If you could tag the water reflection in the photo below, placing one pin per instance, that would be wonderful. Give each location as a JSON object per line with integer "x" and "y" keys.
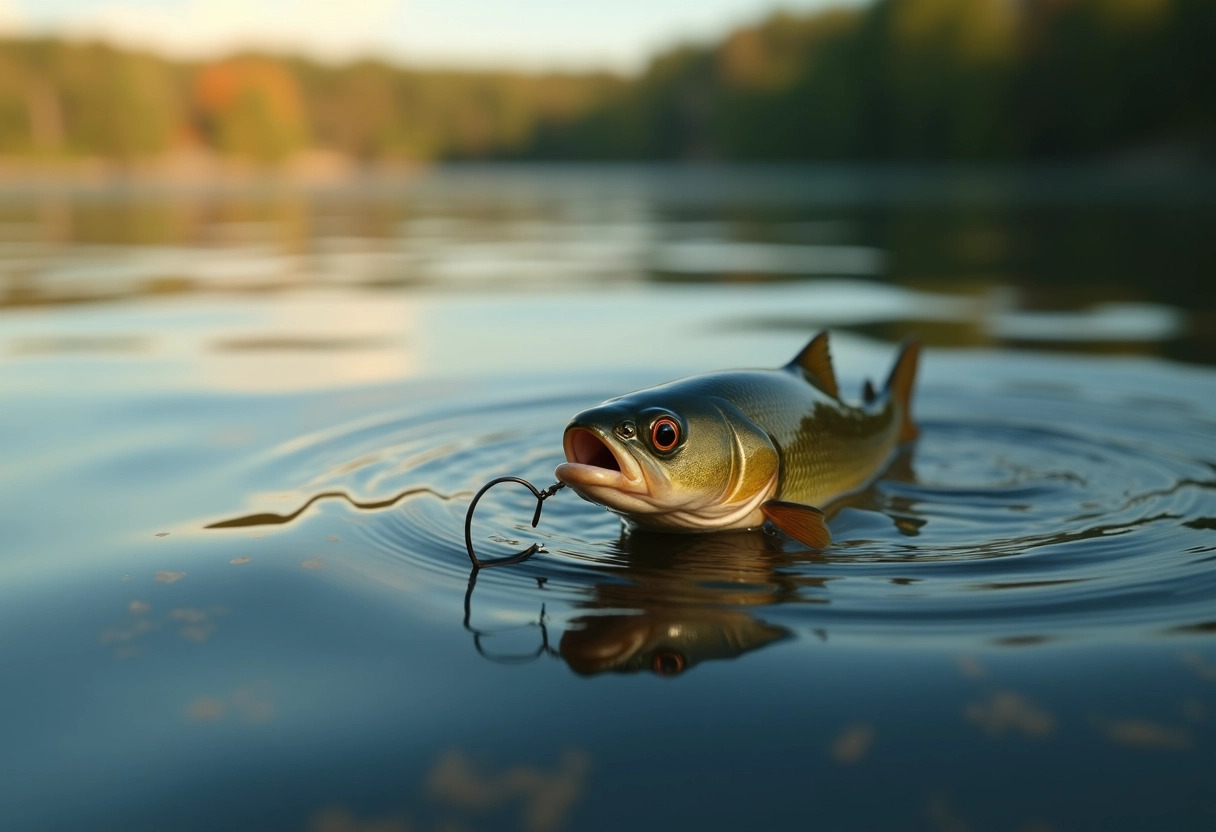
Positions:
{"x": 682, "y": 600}
{"x": 482, "y": 636}
{"x": 194, "y": 625}
{"x": 251, "y": 704}
{"x": 1146, "y": 734}
{"x": 1008, "y": 712}
{"x": 545, "y": 798}
{"x": 670, "y": 603}
{"x": 1016, "y": 246}
{"x": 463, "y": 789}
{"x": 666, "y": 642}
{"x": 853, "y": 744}
{"x": 272, "y": 519}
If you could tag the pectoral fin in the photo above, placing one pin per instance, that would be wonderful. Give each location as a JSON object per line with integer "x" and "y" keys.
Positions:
{"x": 803, "y": 523}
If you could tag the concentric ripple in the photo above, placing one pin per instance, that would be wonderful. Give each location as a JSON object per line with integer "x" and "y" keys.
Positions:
{"x": 1023, "y": 514}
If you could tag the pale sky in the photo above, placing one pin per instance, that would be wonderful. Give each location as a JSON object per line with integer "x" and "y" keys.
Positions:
{"x": 531, "y": 34}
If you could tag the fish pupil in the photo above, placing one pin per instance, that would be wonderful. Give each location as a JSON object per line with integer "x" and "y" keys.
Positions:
{"x": 665, "y": 435}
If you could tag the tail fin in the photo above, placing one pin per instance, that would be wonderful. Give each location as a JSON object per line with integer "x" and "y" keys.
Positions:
{"x": 900, "y": 384}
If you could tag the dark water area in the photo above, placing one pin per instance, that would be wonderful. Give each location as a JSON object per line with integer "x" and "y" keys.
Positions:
{"x": 240, "y": 426}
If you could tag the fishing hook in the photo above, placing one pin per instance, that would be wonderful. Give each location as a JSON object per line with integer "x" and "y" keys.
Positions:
{"x": 519, "y": 557}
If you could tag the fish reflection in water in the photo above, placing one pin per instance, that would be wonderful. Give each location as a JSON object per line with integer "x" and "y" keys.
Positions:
{"x": 665, "y": 642}
{"x": 692, "y": 598}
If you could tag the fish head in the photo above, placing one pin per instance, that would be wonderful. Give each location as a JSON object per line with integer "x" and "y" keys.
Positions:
{"x": 669, "y": 460}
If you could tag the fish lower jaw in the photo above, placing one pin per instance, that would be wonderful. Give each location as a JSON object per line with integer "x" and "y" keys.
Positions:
{"x": 719, "y": 517}
{"x": 579, "y": 476}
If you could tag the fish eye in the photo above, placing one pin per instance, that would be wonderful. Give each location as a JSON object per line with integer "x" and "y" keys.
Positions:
{"x": 665, "y": 434}
{"x": 668, "y": 664}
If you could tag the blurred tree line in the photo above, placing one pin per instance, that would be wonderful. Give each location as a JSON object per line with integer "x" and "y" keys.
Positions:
{"x": 895, "y": 80}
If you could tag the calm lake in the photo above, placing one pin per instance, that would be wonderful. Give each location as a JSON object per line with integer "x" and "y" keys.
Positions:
{"x": 240, "y": 426}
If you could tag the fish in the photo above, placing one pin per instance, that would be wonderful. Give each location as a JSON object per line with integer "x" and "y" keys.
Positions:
{"x": 737, "y": 449}
{"x": 664, "y": 645}
{"x": 672, "y": 602}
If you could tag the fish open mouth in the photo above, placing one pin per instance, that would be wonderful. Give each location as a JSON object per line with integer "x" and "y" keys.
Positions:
{"x": 586, "y": 448}
{"x": 591, "y": 461}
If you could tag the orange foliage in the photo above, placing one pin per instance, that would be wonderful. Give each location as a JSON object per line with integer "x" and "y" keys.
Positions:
{"x": 219, "y": 86}
{"x": 251, "y": 107}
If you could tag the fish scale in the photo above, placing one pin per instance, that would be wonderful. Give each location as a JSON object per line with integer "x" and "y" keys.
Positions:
{"x": 827, "y": 447}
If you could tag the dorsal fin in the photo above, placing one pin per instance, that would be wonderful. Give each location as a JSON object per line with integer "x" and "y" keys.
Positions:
{"x": 816, "y": 360}
{"x": 899, "y": 387}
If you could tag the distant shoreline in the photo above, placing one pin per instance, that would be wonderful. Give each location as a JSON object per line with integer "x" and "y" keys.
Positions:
{"x": 329, "y": 168}
{"x": 195, "y": 167}
{"x": 917, "y": 82}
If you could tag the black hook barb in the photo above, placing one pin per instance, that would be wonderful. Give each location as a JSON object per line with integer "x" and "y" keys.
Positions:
{"x": 541, "y": 496}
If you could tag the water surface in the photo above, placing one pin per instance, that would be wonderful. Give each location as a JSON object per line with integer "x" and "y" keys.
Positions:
{"x": 241, "y": 426}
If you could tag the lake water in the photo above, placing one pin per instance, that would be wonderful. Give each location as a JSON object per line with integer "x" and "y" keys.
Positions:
{"x": 240, "y": 426}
